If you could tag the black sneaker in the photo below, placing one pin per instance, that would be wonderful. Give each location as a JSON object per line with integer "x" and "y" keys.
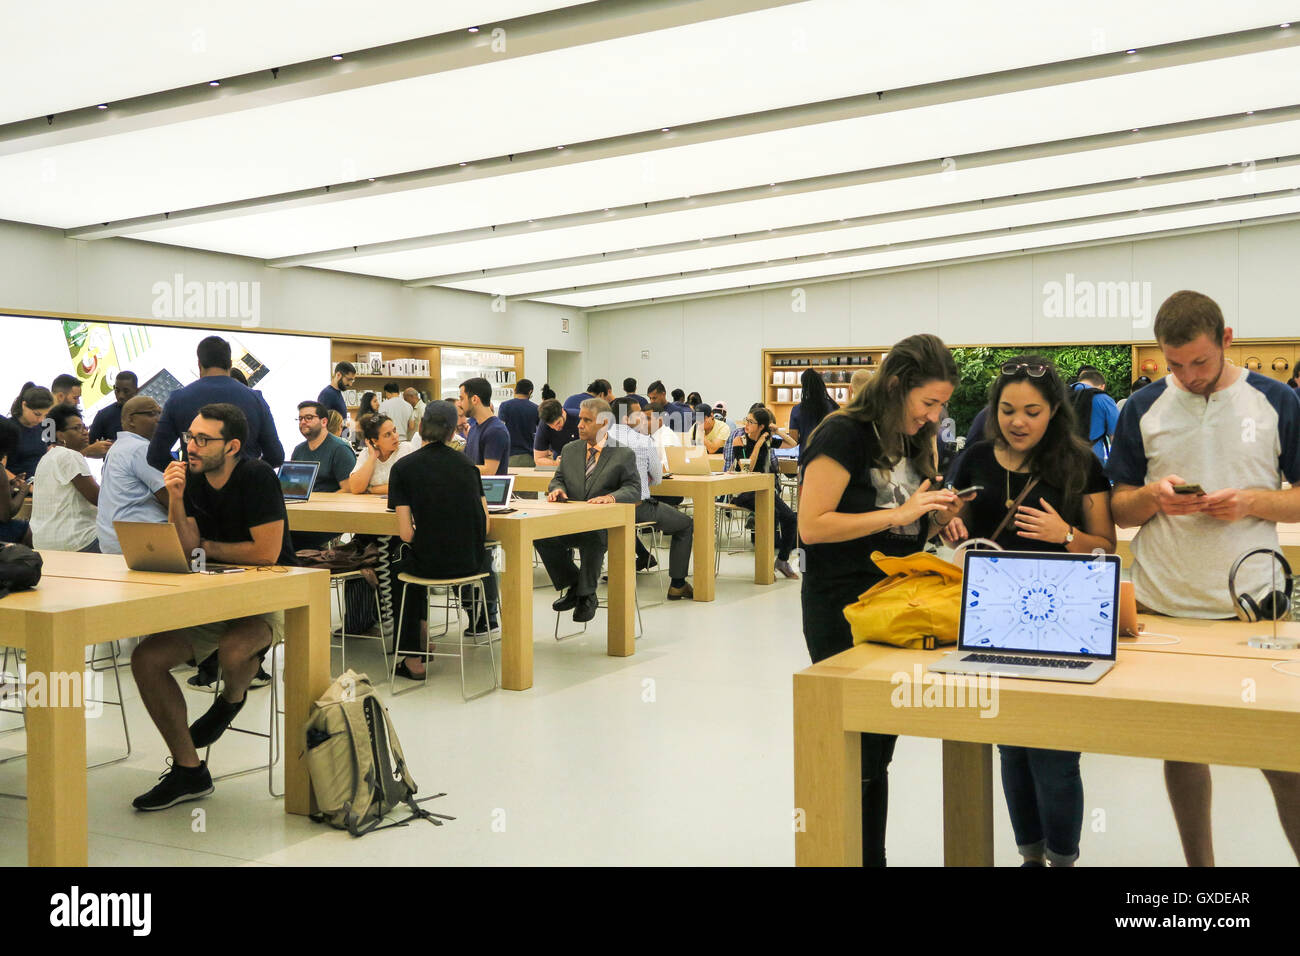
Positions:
{"x": 205, "y": 679}
{"x": 478, "y": 628}
{"x": 208, "y": 728}
{"x": 176, "y": 785}
{"x": 260, "y": 679}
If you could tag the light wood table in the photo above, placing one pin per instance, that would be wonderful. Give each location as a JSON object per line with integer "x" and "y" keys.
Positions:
{"x": 368, "y": 514}
{"x": 1188, "y": 706}
{"x": 703, "y": 490}
{"x": 86, "y": 599}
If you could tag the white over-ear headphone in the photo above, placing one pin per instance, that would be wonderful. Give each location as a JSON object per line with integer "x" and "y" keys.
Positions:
{"x": 1269, "y": 606}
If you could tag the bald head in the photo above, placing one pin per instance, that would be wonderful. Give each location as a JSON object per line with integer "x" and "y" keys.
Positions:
{"x": 140, "y": 416}
{"x": 411, "y": 396}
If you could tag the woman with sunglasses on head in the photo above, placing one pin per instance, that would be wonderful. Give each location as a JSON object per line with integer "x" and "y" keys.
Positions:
{"x": 752, "y": 448}
{"x": 869, "y": 483}
{"x": 1033, "y": 467}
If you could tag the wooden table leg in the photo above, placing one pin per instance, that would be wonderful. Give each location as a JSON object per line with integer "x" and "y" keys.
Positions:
{"x": 967, "y": 804}
{"x": 621, "y": 639}
{"x": 705, "y": 545}
{"x": 516, "y": 583}
{"x": 57, "y": 831}
{"x": 764, "y": 535}
{"x": 306, "y": 678}
{"x": 827, "y": 777}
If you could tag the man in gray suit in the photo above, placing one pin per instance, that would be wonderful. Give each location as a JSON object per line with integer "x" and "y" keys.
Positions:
{"x": 591, "y": 471}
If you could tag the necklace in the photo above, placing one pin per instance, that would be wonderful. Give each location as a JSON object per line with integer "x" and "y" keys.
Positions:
{"x": 1010, "y": 501}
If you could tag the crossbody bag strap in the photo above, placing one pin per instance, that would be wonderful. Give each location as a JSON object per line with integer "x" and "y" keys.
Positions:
{"x": 1015, "y": 506}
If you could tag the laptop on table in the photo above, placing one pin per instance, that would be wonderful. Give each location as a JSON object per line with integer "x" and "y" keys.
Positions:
{"x": 156, "y": 546}
{"x": 497, "y": 490}
{"x": 1040, "y": 615}
{"x": 688, "y": 461}
{"x": 298, "y": 479}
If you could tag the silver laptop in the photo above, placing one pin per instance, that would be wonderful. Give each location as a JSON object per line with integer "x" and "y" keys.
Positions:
{"x": 691, "y": 460}
{"x": 1041, "y": 615}
{"x": 497, "y": 490}
{"x": 298, "y": 479}
{"x": 155, "y": 546}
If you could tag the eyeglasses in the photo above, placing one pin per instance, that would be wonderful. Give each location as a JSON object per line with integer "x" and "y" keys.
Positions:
{"x": 748, "y": 421}
{"x": 200, "y": 441}
{"x": 308, "y": 418}
{"x": 1034, "y": 369}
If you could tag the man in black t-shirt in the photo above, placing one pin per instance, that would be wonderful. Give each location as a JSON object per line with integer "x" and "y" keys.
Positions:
{"x": 441, "y": 512}
{"x": 231, "y": 510}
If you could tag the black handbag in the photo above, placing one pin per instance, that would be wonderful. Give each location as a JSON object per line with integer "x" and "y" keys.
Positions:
{"x": 20, "y": 568}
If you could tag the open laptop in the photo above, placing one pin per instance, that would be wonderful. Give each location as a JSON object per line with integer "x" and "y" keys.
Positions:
{"x": 688, "y": 461}
{"x": 497, "y": 490}
{"x": 297, "y": 479}
{"x": 1047, "y": 616}
{"x": 155, "y": 546}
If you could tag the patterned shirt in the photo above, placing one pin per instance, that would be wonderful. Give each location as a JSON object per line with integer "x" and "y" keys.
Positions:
{"x": 648, "y": 465}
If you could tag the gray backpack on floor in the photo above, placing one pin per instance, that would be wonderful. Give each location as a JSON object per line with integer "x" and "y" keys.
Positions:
{"x": 355, "y": 761}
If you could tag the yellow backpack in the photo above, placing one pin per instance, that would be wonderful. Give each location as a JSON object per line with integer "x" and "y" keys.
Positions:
{"x": 918, "y": 606}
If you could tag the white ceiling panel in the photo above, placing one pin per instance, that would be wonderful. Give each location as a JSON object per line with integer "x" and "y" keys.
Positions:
{"x": 702, "y": 71}
{"x": 906, "y": 230}
{"x": 961, "y": 185}
{"x": 937, "y": 252}
{"x": 133, "y": 47}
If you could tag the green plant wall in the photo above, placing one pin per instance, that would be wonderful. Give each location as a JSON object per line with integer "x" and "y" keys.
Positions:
{"x": 979, "y": 365}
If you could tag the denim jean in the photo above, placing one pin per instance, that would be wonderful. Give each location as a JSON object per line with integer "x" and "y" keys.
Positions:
{"x": 1045, "y": 799}
{"x": 827, "y": 633}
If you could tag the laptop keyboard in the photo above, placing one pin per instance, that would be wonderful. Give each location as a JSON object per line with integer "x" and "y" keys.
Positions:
{"x": 1025, "y": 661}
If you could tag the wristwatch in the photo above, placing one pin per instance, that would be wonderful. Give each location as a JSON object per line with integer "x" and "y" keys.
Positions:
{"x": 1069, "y": 536}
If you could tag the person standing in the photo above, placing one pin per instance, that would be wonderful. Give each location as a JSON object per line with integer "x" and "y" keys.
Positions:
{"x": 815, "y": 403}
{"x": 231, "y": 506}
{"x": 521, "y": 419}
{"x": 331, "y": 396}
{"x": 64, "y": 494}
{"x": 869, "y": 483}
{"x": 66, "y": 390}
{"x": 629, "y": 388}
{"x": 130, "y": 489}
{"x": 1095, "y": 411}
{"x": 1066, "y": 509}
{"x": 108, "y": 420}
{"x": 28, "y": 413}
{"x": 1236, "y": 434}
{"x": 488, "y": 443}
{"x": 215, "y": 387}
{"x": 556, "y": 430}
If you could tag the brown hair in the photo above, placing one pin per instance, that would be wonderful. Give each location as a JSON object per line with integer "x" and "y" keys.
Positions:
{"x": 1185, "y": 316}
{"x": 910, "y": 364}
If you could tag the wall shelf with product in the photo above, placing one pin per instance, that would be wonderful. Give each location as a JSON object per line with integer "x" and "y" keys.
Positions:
{"x": 1275, "y": 358}
{"x": 433, "y": 368}
{"x": 783, "y": 367}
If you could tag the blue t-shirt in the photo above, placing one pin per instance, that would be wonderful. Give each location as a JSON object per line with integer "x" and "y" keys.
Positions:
{"x": 520, "y": 417}
{"x": 548, "y": 439}
{"x": 573, "y": 404}
{"x": 335, "y": 458}
{"x": 183, "y": 406}
{"x": 490, "y": 439}
{"x": 1105, "y": 416}
{"x": 107, "y": 423}
{"x": 640, "y": 399}
{"x": 331, "y": 398}
{"x": 31, "y": 446}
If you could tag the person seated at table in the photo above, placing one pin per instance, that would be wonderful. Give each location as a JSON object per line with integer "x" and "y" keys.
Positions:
{"x": 752, "y": 448}
{"x": 28, "y": 413}
{"x": 708, "y": 431}
{"x": 594, "y": 471}
{"x": 383, "y": 450}
{"x": 130, "y": 488}
{"x": 64, "y": 494}
{"x": 441, "y": 512}
{"x": 1067, "y": 509}
{"x": 333, "y": 456}
{"x": 231, "y": 507}
{"x": 629, "y": 431}
{"x": 556, "y": 428}
{"x": 334, "y": 424}
{"x": 13, "y": 529}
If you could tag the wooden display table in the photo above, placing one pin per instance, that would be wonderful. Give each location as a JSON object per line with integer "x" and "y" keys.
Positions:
{"x": 86, "y": 599}
{"x": 703, "y": 490}
{"x": 1179, "y": 701}
{"x": 368, "y": 514}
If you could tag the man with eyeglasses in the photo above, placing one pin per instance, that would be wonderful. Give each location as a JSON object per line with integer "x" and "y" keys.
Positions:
{"x": 333, "y": 454}
{"x": 231, "y": 508}
{"x": 130, "y": 490}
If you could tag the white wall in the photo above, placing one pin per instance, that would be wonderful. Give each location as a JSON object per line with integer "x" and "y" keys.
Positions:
{"x": 41, "y": 271}
{"x": 714, "y": 345}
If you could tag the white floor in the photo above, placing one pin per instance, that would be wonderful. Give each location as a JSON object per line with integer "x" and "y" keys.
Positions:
{"x": 680, "y": 755}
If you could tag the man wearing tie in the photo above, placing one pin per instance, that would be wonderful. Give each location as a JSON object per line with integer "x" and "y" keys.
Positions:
{"x": 593, "y": 472}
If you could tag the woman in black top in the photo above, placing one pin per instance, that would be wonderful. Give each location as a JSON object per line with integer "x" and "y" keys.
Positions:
{"x": 815, "y": 403}
{"x": 869, "y": 483}
{"x": 1030, "y": 434}
{"x": 752, "y": 447}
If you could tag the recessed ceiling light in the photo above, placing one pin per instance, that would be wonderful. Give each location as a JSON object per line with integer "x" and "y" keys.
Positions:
{"x": 664, "y": 129}
{"x": 336, "y": 57}
{"x": 1130, "y": 51}
{"x": 473, "y": 29}
{"x": 559, "y": 147}
{"x": 214, "y": 82}
{"x": 102, "y": 106}
{"x": 1137, "y": 129}
{"x": 1250, "y": 112}
{"x": 371, "y": 180}
{"x": 1284, "y": 25}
